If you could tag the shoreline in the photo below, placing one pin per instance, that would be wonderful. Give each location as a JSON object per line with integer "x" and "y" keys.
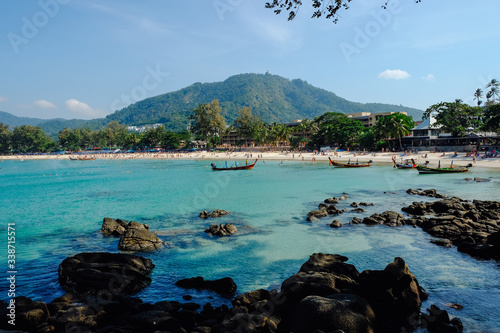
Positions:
{"x": 363, "y": 157}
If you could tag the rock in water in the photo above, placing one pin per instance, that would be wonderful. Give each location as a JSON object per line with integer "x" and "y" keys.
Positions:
{"x": 115, "y": 273}
{"x": 139, "y": 240}
{"x": 225, "y": 286}
{"x": 222, "y": 230}
{"x": 112, "y": 227}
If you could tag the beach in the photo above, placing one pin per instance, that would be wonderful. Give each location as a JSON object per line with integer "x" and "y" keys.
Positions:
{"x": 363, "y": 157}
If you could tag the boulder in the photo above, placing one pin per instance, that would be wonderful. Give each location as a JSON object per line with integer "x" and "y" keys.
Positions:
{"x": 438, "y": 321}
{"x": 215, "y": 213}
{"x": 394, "y": 294}
{"x": 333, "y": 200}
{"x": 28, "y": 315}
{"x": 417, "y": 208}
{"x": 316, "y": 214}
{"x": 389, "y": 218}
{"x": 358, "y": 210}
{"x": 225, "y": 286}
{"x": 335, "y": 224}
{"x": 112, "y": 227}
{"x": 139, "y": 239}
{"x": 365, "y": 204}
{"x": 344, "y": 197}
{"x": 114, "y": 273}
{"x": 329, "y": 263}
{"x": 221, "y": 230}
{"x": 346, "y": 312}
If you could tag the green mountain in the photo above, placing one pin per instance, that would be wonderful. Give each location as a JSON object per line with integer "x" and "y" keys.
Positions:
{"x": 272, "y": 97}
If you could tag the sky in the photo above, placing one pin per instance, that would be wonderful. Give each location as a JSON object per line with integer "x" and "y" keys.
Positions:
{"x": 85, "y": 59}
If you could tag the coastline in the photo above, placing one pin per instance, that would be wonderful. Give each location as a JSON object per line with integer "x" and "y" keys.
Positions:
{"x": 363, "y": 157}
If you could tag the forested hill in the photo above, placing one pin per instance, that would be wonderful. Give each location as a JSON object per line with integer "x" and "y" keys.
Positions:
{"x": 272, "y": 97}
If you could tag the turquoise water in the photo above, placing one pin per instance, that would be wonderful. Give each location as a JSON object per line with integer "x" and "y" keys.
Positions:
{"x": 58, "y": 207}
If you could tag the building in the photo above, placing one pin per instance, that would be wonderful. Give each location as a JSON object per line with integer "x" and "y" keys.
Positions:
{"x": 370, "y": 119}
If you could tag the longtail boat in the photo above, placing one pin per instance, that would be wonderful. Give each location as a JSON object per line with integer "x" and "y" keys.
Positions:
{"x": 424, "y": 169}
{"x": 348, "y": 164}
{"x": 82, "y": 158}
{"x": 239, "y": 167}
{"x": 406, "y": 164}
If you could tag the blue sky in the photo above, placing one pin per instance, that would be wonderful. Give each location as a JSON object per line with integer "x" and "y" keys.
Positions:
{"x": 84, "y": 59}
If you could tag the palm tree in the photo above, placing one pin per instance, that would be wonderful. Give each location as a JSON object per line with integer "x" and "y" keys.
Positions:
{"x": 477, "y": 95}
{"x": 399, "y": 128}
{"x": 494, "y": 88}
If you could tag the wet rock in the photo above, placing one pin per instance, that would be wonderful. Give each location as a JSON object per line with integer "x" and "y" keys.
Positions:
{"x": 112, "y": 227}
{"x": 225, "y": 286}
{"x": 316, "y": 214}
{"x": 482, "y": 180}
{"x": 389, "y": 218}
{"x": 354, "y": 204}
{"x": 330, "y": 263}
{"x": 358, "y": 210}
{"x": 335, "y": 224}
{"x": 438, "y": 321}
{"x": 333, "y": 200}
{"x": 215, "y": 213}
{"x": 26, "y": 314}
{"x": 139, "y": 239}
{"x": 115, "y": 273}
{"x": 221, "y": 230}
{"x": 416, "y": 208}
{"x": 442, "y": 242}
{"x": 344, "y": 197}
{"x": 393, "y": 293}
{"x": 346, "y": 312}
{"x": 356, "y": 220}
{"x": 365, "y": 204}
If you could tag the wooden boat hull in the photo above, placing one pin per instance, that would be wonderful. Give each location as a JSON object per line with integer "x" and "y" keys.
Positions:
{"x": 243, "y": 167}
{"x": 403, "y": 166}
{"x": 348, "y": 165}
{"x": 427, "y": 170}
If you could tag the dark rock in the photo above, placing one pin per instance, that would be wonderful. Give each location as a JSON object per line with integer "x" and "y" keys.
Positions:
{"x": 468, "y": 179}
{"x": 346, "y": 312}
{"x": 359, "y": 210}
{"x": 417, "y": 208}
{"x": 389, "y": 218}
{"x": 28, "y": 315}
{"x": 316, "y": 214}
{"x": 356, "y": 220}
{"x": 485, "y": 251}
{"x": 482, "y": 180}
{"x": 115, "y": 273}
{"x": 344, "y": 197}
{"x": 330, "y": 263}
{"x": 215, "y": 213}
{"x": 332, "y": 210}
{"x": 394, "y": 295}
{"x": 225, "y": 286}
{"x": 112, "y": 227}
{"x": 438, "y": 321}
{"x": 365, "y": 204}
{"x": 455, "y": 306}
{"x": 442, "y": 242}
{"x": 354, "y": 204}
{"x": 335, "y": 224}
{"x": 222, "y": 230}
{"x": 333, "y": 200}
{"x": 444, "y": 206}
{"x": 139, "y": 239}
{"x": 412, "y": 191}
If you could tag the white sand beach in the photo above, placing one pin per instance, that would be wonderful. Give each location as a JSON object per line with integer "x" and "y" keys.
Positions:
{"x": 362, "y": 157}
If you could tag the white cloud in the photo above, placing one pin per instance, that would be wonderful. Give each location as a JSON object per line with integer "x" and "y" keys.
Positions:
{"x": 82, "y": 109}
{"x": 429, "y": 77}
{"x": 3, "y": 99}
{"x": 394, "y": 74}
{"x": 41, "y": 103}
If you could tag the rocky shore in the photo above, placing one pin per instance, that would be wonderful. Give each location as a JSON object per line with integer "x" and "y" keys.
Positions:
{"x": 327, "y": 294}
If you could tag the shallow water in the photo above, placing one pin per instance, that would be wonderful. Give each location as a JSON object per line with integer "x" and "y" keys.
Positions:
{"x": 58, "y": 207}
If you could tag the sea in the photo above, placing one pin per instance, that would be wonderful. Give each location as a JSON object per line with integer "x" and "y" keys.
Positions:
{"x": 57, "y": 208}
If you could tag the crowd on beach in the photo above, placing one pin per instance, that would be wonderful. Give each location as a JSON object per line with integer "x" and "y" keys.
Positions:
{"x": 488, "y": 158}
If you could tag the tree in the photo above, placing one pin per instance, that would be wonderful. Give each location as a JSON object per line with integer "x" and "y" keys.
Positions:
{"x": 383, "y": 128}
{"x": 337, "y": 129}
{"x": 27, "y": 138}
{"x": 5, "y": 136}
{"x": 327, "y": 8}
{"x": 400, "y": 125}
{"x": 153, "y": 137}
{"x": 454, "y": 117}
{"x": 116, "y": 134}
{"x": 207, "y": 120}
{"x": 493, "y": 85}
{"x": 246, "y": 123}
{"x": 492, "y": 119}
{"x": 478, "y": 94}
